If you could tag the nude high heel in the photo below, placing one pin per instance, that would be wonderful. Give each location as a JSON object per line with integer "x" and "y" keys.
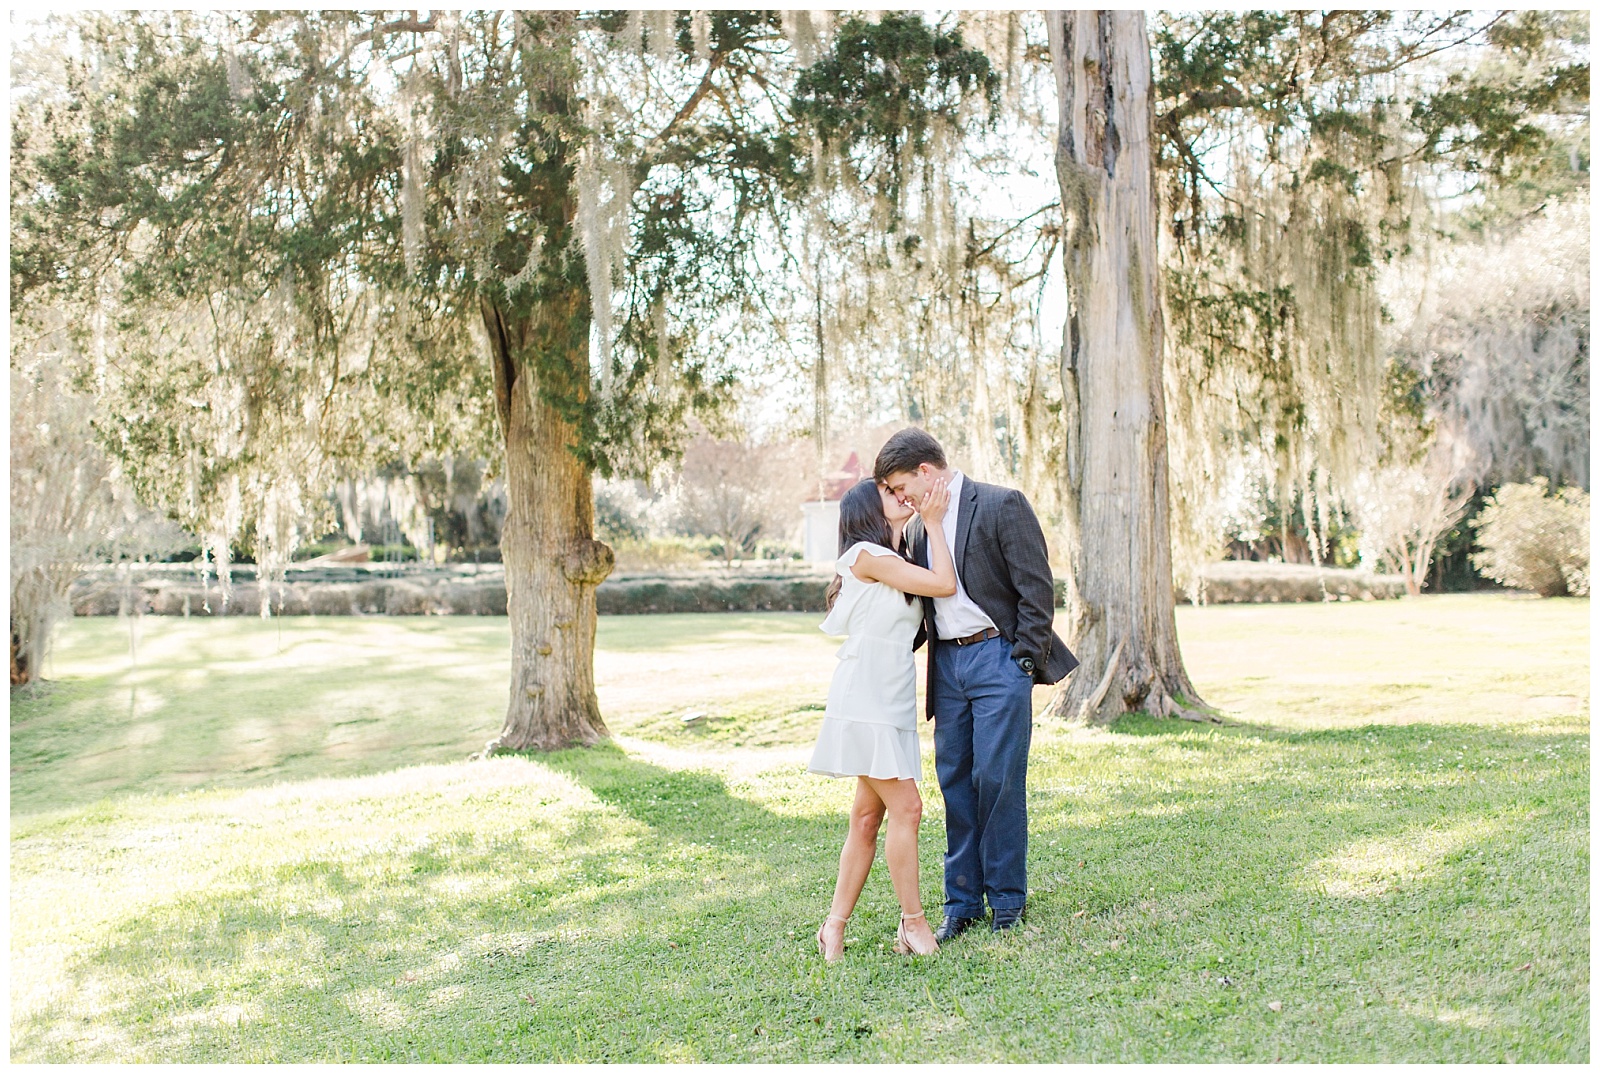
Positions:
{"x": 902, "y": 942}
{"x": 822, "y": 948}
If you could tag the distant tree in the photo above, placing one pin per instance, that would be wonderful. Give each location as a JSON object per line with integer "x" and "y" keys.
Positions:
{"x": 1405, "y": 507}
{"x": 737, "y": 490}
{"x": 61, "y": 504}
{"x": 918, "y": 286}
{"x": 1498, "y": 343}
{"x": 68, "y": 510}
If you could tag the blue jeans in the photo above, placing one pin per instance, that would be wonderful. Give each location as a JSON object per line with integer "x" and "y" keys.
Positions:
{"x": 982, "y": 726}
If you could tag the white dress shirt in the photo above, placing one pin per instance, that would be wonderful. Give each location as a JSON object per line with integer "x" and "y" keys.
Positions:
{"x": 957, "y": 616}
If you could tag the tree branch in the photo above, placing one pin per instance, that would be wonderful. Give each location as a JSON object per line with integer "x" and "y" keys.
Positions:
{"x": 398, "y": 26}
{"x": 1411, "y": 54}
{"x": 1204, "y": 101}
{"x": 657, "y": 143}
{"x": 995, "y": 242}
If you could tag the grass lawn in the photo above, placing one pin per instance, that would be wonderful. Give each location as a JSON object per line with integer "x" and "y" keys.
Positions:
{"x": 246, "y": 841}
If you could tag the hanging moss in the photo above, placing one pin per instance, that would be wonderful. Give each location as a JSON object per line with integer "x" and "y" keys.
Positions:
{"x": 1294, "y": 198}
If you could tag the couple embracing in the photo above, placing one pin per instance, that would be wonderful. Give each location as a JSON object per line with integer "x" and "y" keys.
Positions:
{"x": 927, "y": 553}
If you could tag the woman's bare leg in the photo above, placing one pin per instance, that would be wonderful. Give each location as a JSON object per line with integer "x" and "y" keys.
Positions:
{"x": 903, "y": 803}
{"x": 855, "y": 862}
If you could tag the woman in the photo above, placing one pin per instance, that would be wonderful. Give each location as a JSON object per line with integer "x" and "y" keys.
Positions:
{"x": 870, "y": 728}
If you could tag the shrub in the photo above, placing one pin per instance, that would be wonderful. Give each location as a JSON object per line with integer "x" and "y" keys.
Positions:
{"x": 661, "y": 552}
{"x": 1535, "y": 539}
{"x": 394, "y": 553}
{"x": 776, "y": 550}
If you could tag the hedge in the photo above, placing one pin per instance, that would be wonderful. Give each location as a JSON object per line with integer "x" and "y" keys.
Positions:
{"x": 377, "y": 590}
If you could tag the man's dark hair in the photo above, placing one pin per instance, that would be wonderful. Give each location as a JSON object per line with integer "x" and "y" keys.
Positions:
{"x": 906, "y": 450}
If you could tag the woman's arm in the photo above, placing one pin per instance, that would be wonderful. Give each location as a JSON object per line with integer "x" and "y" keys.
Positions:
{"x": 895, "y": 572}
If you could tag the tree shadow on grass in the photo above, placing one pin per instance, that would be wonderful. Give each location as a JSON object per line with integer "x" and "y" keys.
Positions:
{"x": 1348, "y": 864}
{"x": 650, "y": 920}
{"x": 1227, "y": 811}
{"x": 474, "y": 944}
{"x": 95, "y": 743}
{"x": 223, "y": 704}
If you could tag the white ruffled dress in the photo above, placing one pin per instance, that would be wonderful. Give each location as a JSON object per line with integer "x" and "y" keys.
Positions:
{"x": 870, "y": 727}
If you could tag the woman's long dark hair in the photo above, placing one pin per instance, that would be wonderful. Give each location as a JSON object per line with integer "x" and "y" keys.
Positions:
{"x": 861, "y": 518}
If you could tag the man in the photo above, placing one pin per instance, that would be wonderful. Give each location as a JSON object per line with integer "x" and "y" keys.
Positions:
{"x": 988, "y": 645}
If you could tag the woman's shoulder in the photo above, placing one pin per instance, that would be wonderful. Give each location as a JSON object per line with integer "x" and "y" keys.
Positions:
{"x": 853, "y": 553}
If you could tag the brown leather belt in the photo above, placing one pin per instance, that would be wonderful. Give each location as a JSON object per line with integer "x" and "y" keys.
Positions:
{"x": 973, "y": 639}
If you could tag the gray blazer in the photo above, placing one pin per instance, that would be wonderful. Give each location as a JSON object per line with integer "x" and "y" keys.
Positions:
{"x": 1002, "y": 563}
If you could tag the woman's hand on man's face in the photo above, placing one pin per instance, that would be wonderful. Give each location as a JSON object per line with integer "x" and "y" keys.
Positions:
{"x": 935, "y": 502}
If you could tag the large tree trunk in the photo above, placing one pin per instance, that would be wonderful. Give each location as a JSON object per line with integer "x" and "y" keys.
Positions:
{"x": 539, "y": 346}
{"x": 1115, "y": 484}
{"x": 552, "y": 560}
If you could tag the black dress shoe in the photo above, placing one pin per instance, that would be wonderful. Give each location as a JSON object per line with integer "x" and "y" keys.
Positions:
{"x": 1006, "y": 919}
{"x": 951, "y": 927}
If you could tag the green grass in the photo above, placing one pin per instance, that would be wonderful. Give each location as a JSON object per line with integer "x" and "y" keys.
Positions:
{"x": 262, "y": 843}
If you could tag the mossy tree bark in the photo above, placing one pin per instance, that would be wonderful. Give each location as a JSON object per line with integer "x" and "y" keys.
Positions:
{"x": 540, "y": 352}
{"x": 553, "y": 563}
{"x": 1115, "y": 480}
